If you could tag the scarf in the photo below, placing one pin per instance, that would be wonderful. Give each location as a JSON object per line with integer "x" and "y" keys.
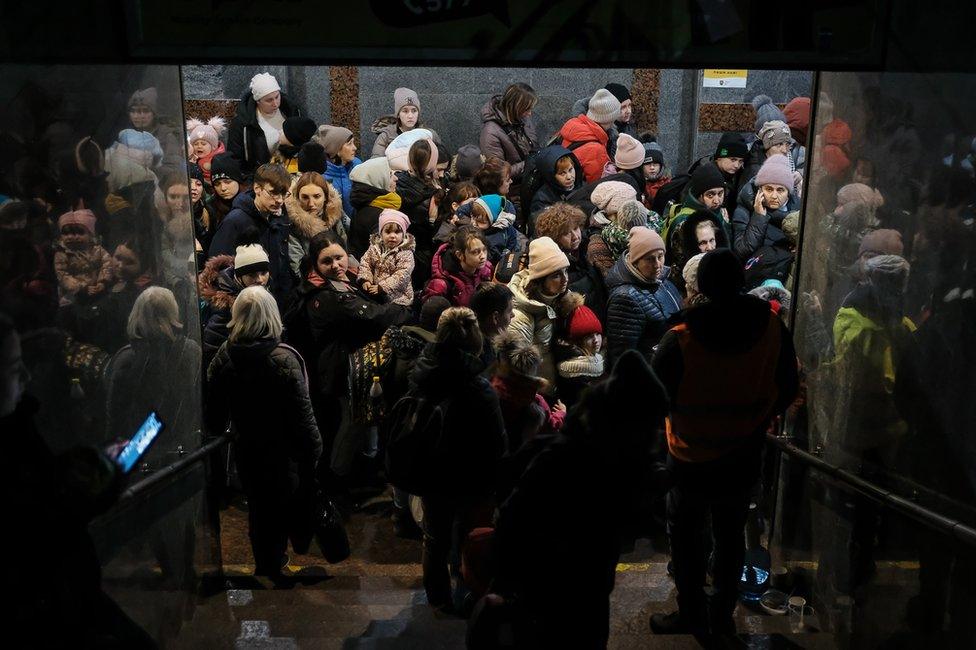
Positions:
{"x": 390, "y": 201}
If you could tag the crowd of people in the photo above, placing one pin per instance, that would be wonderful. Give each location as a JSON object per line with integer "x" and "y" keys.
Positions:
{"x": 553, "y": 297}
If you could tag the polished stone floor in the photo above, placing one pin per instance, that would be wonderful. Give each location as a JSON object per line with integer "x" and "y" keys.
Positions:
{"x": 375, "y": 599}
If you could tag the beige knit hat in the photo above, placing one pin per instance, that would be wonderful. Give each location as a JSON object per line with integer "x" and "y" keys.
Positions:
{"x": 545, "y": 258}
{"x": 604, "y": 108}
{"x": 332, "y": 138}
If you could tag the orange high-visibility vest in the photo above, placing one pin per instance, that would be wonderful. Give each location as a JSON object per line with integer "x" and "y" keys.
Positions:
{"x": 723, "y": 398}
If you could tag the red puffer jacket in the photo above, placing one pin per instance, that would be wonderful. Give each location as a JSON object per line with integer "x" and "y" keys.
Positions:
{"x": 593, "y": 155}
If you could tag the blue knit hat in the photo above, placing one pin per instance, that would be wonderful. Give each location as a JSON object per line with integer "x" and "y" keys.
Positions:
{"x": 142, "y": 141}
{"x": 492, "y": 204}
{"x": 766, "y": 111}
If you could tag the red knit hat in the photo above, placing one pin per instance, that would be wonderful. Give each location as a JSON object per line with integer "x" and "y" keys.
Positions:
{"x": 584, "y": 322}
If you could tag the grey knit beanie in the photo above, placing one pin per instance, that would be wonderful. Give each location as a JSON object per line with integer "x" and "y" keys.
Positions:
{"x": 604, "y": 108}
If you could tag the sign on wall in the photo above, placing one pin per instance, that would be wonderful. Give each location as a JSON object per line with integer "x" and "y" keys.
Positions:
{"x": 724, "y": 78}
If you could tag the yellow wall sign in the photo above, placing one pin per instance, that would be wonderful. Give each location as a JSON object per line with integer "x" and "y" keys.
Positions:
{"x": 724, "y": 78}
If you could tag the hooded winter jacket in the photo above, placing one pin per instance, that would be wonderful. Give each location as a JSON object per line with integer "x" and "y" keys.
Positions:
{"x": 539, "y": 323}
{"x": 218, "y": 288}
{"x": 245, "y": 138}
{"x": 757, "y": 236}
{"x": 638, "y": 310}
{"x": 449, "y": 280}
{"x": 305, "y": 225}
{"x": 502, "y": 235}
{"x": 550, "y": 191}
{"x": 272, "y": 235}
{"x": 593, "y": 155}
{"x": 687, "y": 242}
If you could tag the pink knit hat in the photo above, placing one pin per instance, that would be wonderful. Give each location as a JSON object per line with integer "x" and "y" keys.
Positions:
{"x": 209, "y": 131}
{"x": 776, "y": 171}
{"x": 630, "y": 152}
{"x": 394, "y": 216}
{"x": 83, "y": 218}
{"x": 642, "y": 241}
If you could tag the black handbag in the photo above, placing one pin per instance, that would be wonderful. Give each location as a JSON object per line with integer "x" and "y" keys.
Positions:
{"x": 329, "y": 531}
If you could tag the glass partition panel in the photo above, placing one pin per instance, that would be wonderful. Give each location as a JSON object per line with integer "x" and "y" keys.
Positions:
{"x": 98, "y": 275}
{"x": 886, "y": 334}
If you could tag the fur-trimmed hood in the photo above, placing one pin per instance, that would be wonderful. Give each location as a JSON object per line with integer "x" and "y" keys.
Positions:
{"x": 216, "y": 282}
{"x": 307, "y": 224}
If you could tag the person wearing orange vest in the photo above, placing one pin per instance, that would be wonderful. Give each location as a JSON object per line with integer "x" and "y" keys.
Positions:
{"x": 729, "y": 369}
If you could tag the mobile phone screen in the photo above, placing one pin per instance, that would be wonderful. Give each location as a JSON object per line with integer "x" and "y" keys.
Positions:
{"x": 139, "y": 443}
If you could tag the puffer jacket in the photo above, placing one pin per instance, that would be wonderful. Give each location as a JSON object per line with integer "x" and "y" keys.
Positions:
{"x": 539, "y": 323}
{"x": 305, "y": 225}
{"x": 338, "y": 177}
{"x": 752, "y": 231}
{"x": 386, "y": 131}
{"x": 638, "y": 311}
{"x": 219, "y": 289}
{"x": 245, "y": 138}
{"x": 513, "y": 143}
{"x": 276, "y": 448}
{"x": 448, "y": 280}
{"x": 390, "y": 270}
{"x": 593, "y": 155}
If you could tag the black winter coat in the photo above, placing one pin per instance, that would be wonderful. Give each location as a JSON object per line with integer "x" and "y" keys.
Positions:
{"x": 473, "y": 430}
{"x": 638, "y": 311}
{"x": 762, "y": 236}
{"x": 272, "y": 235}
{"x": 366, "y": 219}
{"x": 245, "y": 138}
{"x": 261, "y": 386}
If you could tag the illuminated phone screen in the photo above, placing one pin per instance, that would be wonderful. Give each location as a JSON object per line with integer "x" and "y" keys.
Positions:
{"x": 137, "y": 446}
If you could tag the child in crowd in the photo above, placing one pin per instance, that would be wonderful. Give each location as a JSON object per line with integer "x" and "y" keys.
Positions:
{"x": 83, "y": 267}
{"x": 494, "y": 215}
{"x": 656, "y": 175}
{"x": 494, "y": 177}
{"x": 517, "y": 383}
{"x": 579, "y": 355}
{"x": 561, "y": 174}
{"x": 204, "y": 141}
{"x": 459, "y": 267}
{"x": 388, "y": 263}
{"x": 227, "y": 181}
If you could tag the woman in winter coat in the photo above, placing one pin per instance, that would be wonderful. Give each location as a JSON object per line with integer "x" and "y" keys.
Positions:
{"x": 561, "y": 222}
{"x": 406, "y": 116}
{"x": 340, "y": 152}
{"x": 144, "y": 116}
{"x": 276, "y": 449}
{"x": 561, "y": 175}
{"x": 256, "y": 129}
{"x": 543, "y": 302}
{"x": 460, "y": 267}
{"x": 701, "y": 232}
{"x": 314, "y": 206}
{"x": 370, "y": 195}
{"x": 758, "y": 239}
{"x": 642, "y": 299}
{"x": 507, "y": 132}
{"x": 329, "y": 318}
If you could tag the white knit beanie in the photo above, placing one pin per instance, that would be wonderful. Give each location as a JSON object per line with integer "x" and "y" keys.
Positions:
{"x": 610, "y": 195}
{"x": 263, "y": 84}
{"x": 690, "y": 272}
{"x": 604, "y": 108}
{"x": 250, "y": 259}
{"x": 545, "y": 258}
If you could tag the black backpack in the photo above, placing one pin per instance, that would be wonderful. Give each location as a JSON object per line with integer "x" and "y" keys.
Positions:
{"x": 415, "y": 444}
{"x": 671, "y": 193}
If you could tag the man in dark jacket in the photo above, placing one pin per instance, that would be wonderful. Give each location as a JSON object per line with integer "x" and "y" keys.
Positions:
{"x": 259, "y": 217}
{"x": 729, "y": 370}
{"x": 473, "y": 441}
{"x": 263, "y": 106}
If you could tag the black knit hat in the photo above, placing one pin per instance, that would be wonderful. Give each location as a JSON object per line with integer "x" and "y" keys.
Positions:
{"x": 706, "y": 177}
{"x": 619, "y": 91}
{"x": 311, "y": 158}
{"x": 225, "y": 166}
{"x": 298, "y": 130}
{"x": 720, "y": 274}
{"x": 195, "y": 171}
{"x": 431, "y": 312}
{"x": 732, "y": 145}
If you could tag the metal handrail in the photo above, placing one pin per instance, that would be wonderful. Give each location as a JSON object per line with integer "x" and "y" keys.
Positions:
{"x": 173, "y": 469}
{"x": 954, "y": 528}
